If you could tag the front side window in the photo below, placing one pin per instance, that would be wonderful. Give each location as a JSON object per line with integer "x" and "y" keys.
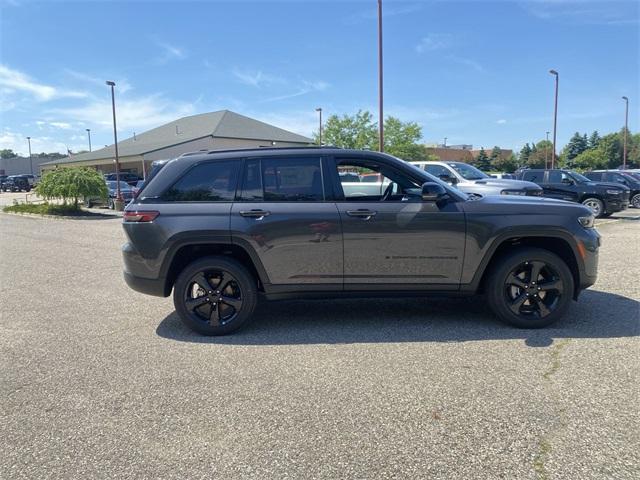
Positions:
{"x": 282, "y": 179}
{"x": 389, "y": 184}
{"x": 206, "y": 182}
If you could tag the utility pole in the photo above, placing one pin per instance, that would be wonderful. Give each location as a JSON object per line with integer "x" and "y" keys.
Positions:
{"x": 30, "y": 158}
{"x": 555, "y": 119}
{"x": 89, "y": 136}
{"x": 115, "y": 140}
{"x": 319, "y": 110}
{"x": 626, "y": 128}
{"x": 380, "y": 80}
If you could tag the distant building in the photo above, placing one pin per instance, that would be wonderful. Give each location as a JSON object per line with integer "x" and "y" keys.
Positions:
{"x": 462, "y": 153}
{"x": 22, "y": 165}
{"x": 220, "y": 130}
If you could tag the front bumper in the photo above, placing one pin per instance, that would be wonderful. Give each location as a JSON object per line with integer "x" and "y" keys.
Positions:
{"x": 612, "y": 205}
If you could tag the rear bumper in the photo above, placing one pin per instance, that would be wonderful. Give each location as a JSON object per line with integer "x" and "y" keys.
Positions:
{"x": 148, "y": 286}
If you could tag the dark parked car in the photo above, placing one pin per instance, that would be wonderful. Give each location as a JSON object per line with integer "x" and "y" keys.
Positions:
{"x": 125, "y": 191}
{"x": 130, "y": 178}
{"x": 221, "y": 228}
{"x": 602, "y": 198}
{"x": 628, "y": 179}
{"x": 17, "y": 183}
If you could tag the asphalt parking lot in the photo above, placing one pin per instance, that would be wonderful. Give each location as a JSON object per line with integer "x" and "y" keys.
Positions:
{"x": 101, "y": 382}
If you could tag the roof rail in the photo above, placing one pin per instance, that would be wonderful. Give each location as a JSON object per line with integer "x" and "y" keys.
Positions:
{"x": 257, "y": 149}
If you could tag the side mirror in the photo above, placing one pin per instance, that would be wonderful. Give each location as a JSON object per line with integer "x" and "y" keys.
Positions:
{"x": 451, "y": 180}
{"x": 433, "y": 192}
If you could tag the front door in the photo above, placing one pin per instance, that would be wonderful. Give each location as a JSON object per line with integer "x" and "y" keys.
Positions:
{"x": 560, "y": 185}
{"x": 390, "y": 235}
{"x": 282, "y": 215}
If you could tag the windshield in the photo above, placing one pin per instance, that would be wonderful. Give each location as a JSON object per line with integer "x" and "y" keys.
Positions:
{"x": 580, "y": 178}
{"x": 123, "y": 185}
{"x": 467, "y": 171}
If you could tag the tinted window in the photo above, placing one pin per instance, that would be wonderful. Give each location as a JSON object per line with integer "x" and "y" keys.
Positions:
{"x": 282, "y": 180}
{"x": 437, "y": 170}
{"x": 207, "y": 182}
{"x": 535, "y": 176}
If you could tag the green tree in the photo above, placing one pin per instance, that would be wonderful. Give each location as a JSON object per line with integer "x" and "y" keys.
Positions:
{"x": 482, "y": 161}
{"x": 496, "y": 153}
{"x": 507, "y": 165}
{"x": 401, "y": 139}
{"x": 7, "y": 153}
{"x": 577, "y": 144}
{"x": 594, "y": 139}
{"x": 524, "y": 154}
{"x": 72, "y": 185}
{"x": 590, "y": 159}
{"x": 358, "y": 131}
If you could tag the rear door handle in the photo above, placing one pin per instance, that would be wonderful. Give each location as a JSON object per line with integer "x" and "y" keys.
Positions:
{"x": 254, "y": 213}
{"x": 362, "y": 213}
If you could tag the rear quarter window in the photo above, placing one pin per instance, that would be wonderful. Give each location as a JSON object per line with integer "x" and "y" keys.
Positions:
{"x": 206, "y": 182}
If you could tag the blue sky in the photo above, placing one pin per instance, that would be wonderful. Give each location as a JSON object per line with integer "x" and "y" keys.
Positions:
{"x": 474, "y": 72}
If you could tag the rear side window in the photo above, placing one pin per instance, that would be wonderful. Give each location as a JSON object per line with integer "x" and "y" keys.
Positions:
{"x": 535, "y": 177}
{"x": 282, "y": 179}
{"x": 207, "y": 182}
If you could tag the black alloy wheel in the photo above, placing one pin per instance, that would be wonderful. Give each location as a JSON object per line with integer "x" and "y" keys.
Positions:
{"x": 529, "y": 287}
{"x": 213, "y": 297}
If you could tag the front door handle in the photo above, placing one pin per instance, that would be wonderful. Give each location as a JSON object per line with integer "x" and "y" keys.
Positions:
{"x": 256, "y": 213}
{"x": 362, "y": 213}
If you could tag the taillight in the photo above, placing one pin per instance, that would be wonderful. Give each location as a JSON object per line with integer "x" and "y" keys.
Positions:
{"x": 140, "y": 217}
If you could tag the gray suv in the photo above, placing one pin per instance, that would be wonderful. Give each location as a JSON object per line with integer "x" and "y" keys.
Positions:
{"x": 223, "y": 228}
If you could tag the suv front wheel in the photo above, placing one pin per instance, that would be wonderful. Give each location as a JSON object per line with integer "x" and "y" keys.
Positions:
{"x": 530, "y": 288}
{"x": 215, "y": 295}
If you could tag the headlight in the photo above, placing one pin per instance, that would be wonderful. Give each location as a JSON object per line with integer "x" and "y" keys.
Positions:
{"x": 587, "y": 222}
{"x": 513, "y": 192}
{"x": 614, "y": 192}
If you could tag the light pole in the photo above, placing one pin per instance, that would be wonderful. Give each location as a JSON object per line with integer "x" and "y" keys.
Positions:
{"x": 89, "y": 135}
{"x": 626, "y": 127}
{"x": 445, "y": 142}
{"x": 115, "y": 140}
{"x": 546, "y": 152}
{"x": 30, "y": 158}
{"x": 555, "y": 119}
{"x": 380, "y": 90}
{"x": 319, "y": 110}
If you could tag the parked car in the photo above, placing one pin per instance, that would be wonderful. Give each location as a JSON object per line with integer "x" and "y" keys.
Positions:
{"x": 602, "y": 198}
{"x": 622, "y": 177}
{"x": 130, "y": 178}
{"x": 469, "y": 179}
{"x": 17, "y": 183}
{"x": 221, "y": 228}
{"x": 137, "y": 187}
{"x": 125, "y": 191}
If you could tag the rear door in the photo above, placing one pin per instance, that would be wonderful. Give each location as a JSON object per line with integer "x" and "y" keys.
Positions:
{"x": 284, "y": 213}
{"x": 393, "y": 238}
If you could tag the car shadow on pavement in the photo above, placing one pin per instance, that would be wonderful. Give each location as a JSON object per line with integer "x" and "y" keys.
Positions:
{"x": 596, "y": 315}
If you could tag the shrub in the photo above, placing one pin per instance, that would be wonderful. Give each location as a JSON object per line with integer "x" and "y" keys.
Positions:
{"x": 72, "y": 185}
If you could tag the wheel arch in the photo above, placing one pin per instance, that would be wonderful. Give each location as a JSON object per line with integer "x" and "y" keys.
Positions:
{"x": 556, "y": 244}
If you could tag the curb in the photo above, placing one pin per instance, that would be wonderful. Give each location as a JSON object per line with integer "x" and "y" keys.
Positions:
{"x": 63, "y": 217}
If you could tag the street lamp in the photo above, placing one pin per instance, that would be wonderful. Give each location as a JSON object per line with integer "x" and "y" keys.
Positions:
{"x": 555, "y": 119}
{"x": 380, "y": 97}
{"x": 546, "y": 152}
{"x": 89, "y": 135}
{"x": 319, "y": 110}
{"x": 626, "y": 127}
{"x": 30, "y": 158}
{"x": 115, "y": 140}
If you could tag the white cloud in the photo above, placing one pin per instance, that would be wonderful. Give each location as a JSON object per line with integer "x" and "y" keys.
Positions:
{"x": 467, "y": 62}
{"x": 585, "y": 12}
{"x": 502, "y": 121}
{"x": 434, "y": 41}
{"x": 122, "y": 85}
{"x": 14, "y": 81}
{"x": 169, "y": 52}
{"x": 256, "y": 78}
{"x": 17, "y": 141}
{"x": 138, "y": 113}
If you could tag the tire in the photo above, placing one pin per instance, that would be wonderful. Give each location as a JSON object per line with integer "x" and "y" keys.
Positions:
{"x": 88, "y": 203}
{"x": 520, "y": 300}
{"x": 595, "y": 205}
{"x": 635, "y": 201}
{"x": 111, "y": 204}
{"x": 210, "y": 311}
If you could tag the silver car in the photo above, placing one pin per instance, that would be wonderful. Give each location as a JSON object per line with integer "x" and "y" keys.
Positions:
{"x": 470, "y": 180}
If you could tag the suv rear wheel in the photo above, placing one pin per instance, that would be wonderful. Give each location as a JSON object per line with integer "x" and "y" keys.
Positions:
{"x": 215, "y": 295}
{"x": 530, "y": 288}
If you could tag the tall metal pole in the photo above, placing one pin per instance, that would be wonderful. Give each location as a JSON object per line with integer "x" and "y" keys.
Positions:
{"x": 30, "y": 158}
{"x": 546, "y": 152}
{"x": 626, "y": 127}
{"x": 319, "y": 110}
{"x": 380, "y": 95}
{"x": 555, "y": 119}
{"x": 115, "y": 138}
{"x": 89, "y": 135}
